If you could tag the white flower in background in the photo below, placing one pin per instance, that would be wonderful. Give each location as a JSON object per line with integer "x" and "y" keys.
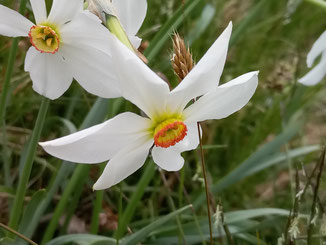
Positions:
{"x": 68, "y": 43}
{"x": 318, "y": 72}
{"x": 131, "y": 14}
{"x": 171, "y": 126}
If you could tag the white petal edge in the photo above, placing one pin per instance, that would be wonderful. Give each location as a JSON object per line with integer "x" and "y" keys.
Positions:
{"x": 170, "y": 158}
{"x": 101, "y": 142}
{"x": 125, "y": 163}
{"x": 13, "y": 24}
{"x": 131, "y": 14}
{"x": 139, "y": 84}
{"x": 316, "y": 74}
{"x": 317, "y": 48}
{"x": 39, "y": 10}
{"x": 205, "y": 75}
{"x": 63, "y": 11}
{"x": 49, "y": 73}
{"x": 224, "y": 100}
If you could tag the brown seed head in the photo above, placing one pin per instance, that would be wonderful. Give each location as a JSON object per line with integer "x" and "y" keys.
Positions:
{"x": 182, "y": 61}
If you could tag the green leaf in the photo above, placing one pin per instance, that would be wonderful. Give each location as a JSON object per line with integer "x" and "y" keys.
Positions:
{"x": 82, "y": 239}
{"x": 143, "y": 233}
{"x": 202, "y": 23}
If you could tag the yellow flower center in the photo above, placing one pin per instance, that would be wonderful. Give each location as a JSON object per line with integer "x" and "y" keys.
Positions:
{"x": 44, "y": 39}
{"x": 169, "y": 132}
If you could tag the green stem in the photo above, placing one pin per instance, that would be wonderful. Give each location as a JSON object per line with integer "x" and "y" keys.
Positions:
{"x": 135, "y": 198}
{"x": 97, "y": 208}
{"x": 80, "y": 173}
{"x": 318, "y": 3}
{"x": 26, "y": 171}
{"x": 206, "y": 184}
{"x": 113, "y": 24}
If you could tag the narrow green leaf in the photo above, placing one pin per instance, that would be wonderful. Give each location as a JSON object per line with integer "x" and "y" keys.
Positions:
{"x": 30, "y": 210}
{"x": 82, "y": 239}
{"x": 143, "y": 233}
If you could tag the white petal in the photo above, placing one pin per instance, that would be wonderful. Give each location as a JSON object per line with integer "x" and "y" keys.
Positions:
{"x": 125, "y": 163}
{"x": 205, "y": 75}
{"x": 139, "y": 84}
{"x": 224, "y": 100}
{"x": 101, "y": 142}
{"x": 316, "y": 74}
{"x": 135, "y": 41}
{"x": 49, "y": 72}
{"x": 63, "y": 11}
{"x": 39, "y": 10}
{"x": 86, "y": 29}
{"x": 13, "y": 24}
{"x": 131, "y": 14}
{"x": 92, "y": 69}
{"x": 169, "y": 158}
{"x": 318, "y": 47}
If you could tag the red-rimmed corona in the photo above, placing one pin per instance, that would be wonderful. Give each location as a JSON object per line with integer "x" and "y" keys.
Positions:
{"x": 169, "y": 132}
{"x": 44, "y": 39}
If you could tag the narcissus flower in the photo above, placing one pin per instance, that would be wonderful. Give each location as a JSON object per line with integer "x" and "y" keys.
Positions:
{"x": 171, "y": 125}
{"x": 68, "y": 43}
{"x": 319, "y": 71}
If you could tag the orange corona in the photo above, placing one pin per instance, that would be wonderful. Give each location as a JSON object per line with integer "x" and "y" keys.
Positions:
{"x": 169, "y": 132}
{"x": 44, "y": 39}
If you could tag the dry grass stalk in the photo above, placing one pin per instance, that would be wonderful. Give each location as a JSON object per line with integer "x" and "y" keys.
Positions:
{"x": 182, "y": 61}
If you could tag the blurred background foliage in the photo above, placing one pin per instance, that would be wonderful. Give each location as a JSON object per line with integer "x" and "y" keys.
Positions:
{"x": 251, "y": 156}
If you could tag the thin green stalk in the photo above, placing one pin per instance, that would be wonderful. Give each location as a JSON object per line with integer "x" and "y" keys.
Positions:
{"x": 26, "y": 171}
{"x": 318, "y": 3}
{"x": 206, "y": 184}
{"x": 97, "y": 208}
{"x": 17, "y": 234}
{"x": 80, "y": 172}
{"x": 172, "y": 206}
{"x": 181, "y": 186}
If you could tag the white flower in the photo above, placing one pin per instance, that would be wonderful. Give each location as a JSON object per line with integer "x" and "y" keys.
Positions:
{"x": 130, "y": 13}
{"x": 171, "y": 126}
{"x": 319, "y": 71}
{"x": 68, "y": 43}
